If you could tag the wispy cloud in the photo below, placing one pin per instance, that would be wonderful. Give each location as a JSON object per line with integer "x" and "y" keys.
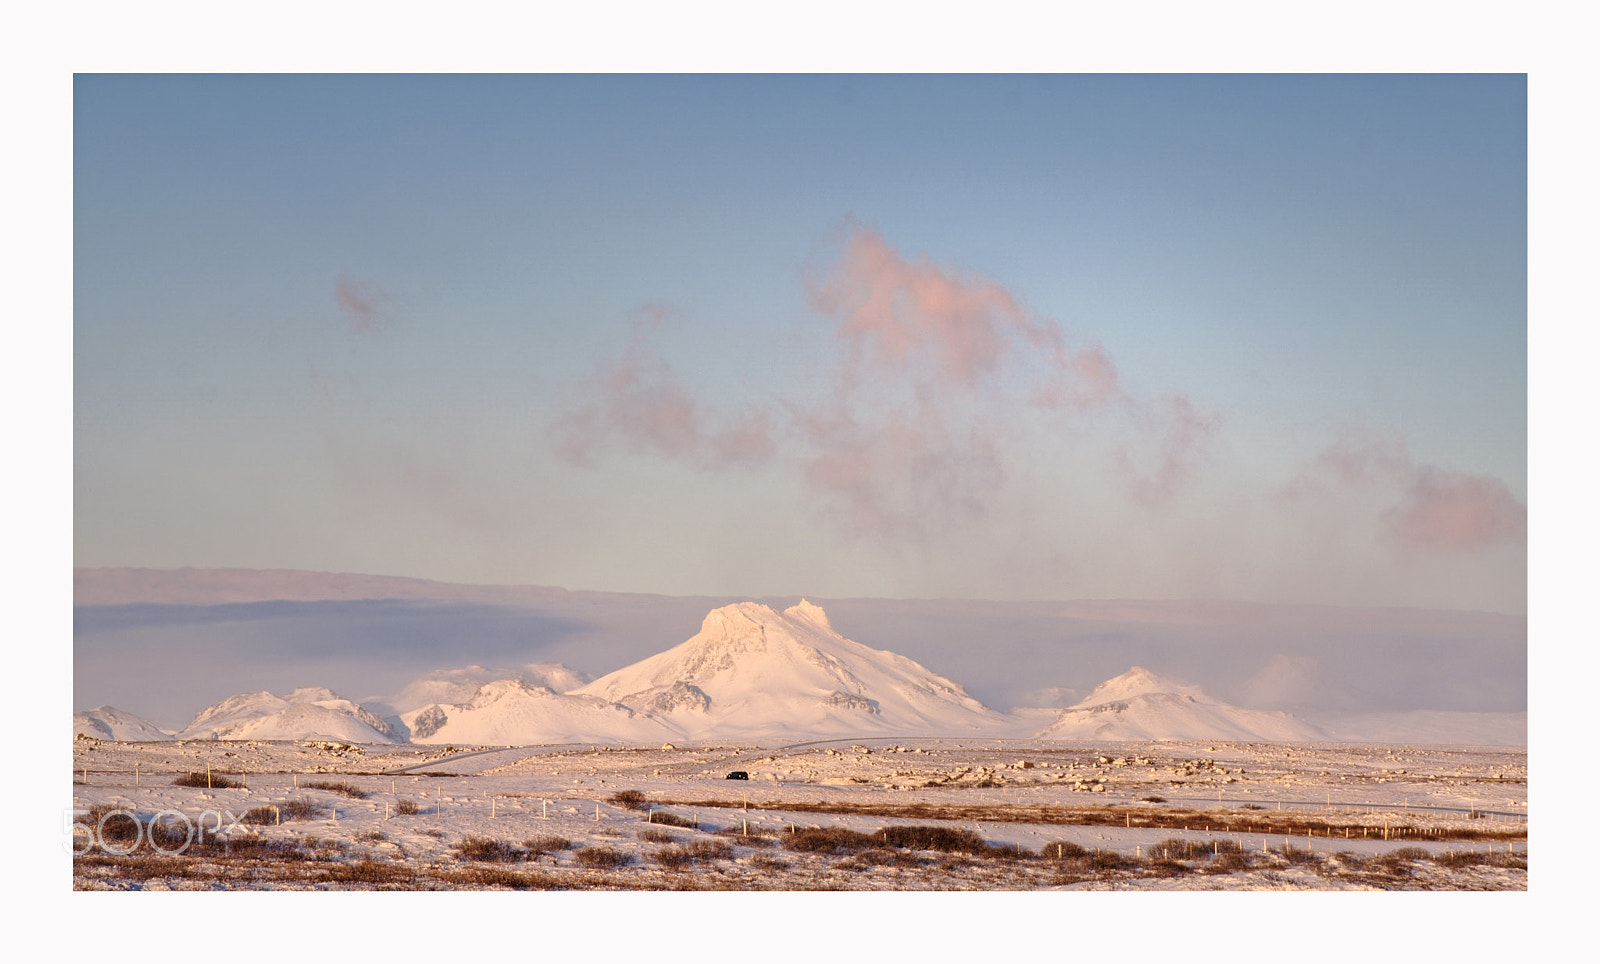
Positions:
{"x": 1454, "y": 512}
{"x": 1184, "y": 433}
{"x": 1440, "y": 510}
{"x": 932, "y": 367}
{"x": 639, "y": 400}
{"x": 359, "y": 301}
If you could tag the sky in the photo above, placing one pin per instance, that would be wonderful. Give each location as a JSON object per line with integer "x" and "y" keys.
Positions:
{"x": 1255, "y": 337}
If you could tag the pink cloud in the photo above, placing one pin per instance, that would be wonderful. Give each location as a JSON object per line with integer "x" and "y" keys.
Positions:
{"x": 639, "y": 399}
{"x": 359, "y": 301}
{"x": 1185, "y": 434}
{"x": 950, "y": 346}
{"x": 1441, "y": 510}
{"x": 894, "y": 475}
{"x": 899, "y": 315}
{"x": 1453, "y": 512}
{"x": 932, "y": 365}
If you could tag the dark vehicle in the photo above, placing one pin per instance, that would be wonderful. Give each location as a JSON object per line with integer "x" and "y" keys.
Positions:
{"x": 738, "y": 775}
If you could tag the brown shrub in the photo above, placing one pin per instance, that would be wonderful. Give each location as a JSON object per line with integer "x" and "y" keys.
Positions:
{"x": 118, "y": 831}
{"x": 347, "y": 789}
{"x": 664, "y": 819}
{"x": 296, "y": 809}
{"x": 371, "y": 872}
{"x": 1110, "y": 860}
{"x": 1064, "y": 850}
{"x": 881, "y": 857}
{"x": 944, "y": 839}
{"x": 1228, "y": 863}
{"x": 631, "y": 799}
{"x": 1295, "y": 855}
{"x": 489, "y": 850}
{"x": 407, "y": 808}
{"x": 650, "y": 835}
{"x": 546, "y": 845}
{"x": 216, "y": 781}
{"x": 498, "y": 877}
{"x": 831, "y": 840}
{"x": 603, "y": 858}
{"x": 1161, "y": 867}
{"x": 710, "y": 850}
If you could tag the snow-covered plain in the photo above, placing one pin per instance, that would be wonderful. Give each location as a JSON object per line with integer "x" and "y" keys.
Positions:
{"x": 1033, "y": 798}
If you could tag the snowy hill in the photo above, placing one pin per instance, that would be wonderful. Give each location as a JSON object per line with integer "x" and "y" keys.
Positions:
{"x": 311, "y": 713}
{"x": 513, "y": 713}
{"x": 1141, "y": 705}
{"x": 110, "y": 723}
{"x": 461, "y": 685}
{"x": 752, "y": 672}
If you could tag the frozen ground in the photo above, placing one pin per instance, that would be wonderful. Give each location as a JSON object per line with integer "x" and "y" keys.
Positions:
{"x": 1300, "y": 816}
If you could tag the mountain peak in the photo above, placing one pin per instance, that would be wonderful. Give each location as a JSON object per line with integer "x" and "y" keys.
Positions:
{"x": 751, "y": 670}
{"x": 810, "y": 612}
{"x": 1138, "y": 681}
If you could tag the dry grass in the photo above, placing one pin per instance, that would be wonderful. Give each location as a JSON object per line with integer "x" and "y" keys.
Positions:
{"x": 546, "y": 845}
{"x": 346, "y": 789}
{"x": 214, "y": 780}
{"x": 664, "y": 819}
{"x": 1294, "y": 855}
{"x": 603, "y": 858}
{"x": 1228, "y": 863}
{"x": 407, "y": 808}
{"x": 489, "y": 850}
{"x": 880, "y": 857}
{"x": 830, "y": 840}
{"x": 1063, "y": 850}
{"x": 679, "y": 857}
{"x": 945, "y": 839}
{"x": 630, "y": 799}
{"x": 1263, "y": 823}
{"x": 376, "y": 873}
{"x": 288, "y": 810}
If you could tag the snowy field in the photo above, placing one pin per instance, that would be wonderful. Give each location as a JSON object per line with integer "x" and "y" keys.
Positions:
{"x": 868, "y": 814}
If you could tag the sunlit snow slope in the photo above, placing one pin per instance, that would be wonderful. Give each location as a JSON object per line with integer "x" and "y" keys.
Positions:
{"x": 110, "y": 723}
{"x": 752, "y": 672}
{"x": 1141, "y": 705}
{"x": 312, "y": 713}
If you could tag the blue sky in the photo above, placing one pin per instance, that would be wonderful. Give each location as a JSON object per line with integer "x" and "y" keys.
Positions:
{"x": 1248, "y": 337}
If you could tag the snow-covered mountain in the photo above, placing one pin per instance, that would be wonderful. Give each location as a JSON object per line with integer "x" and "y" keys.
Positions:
{"x": 511, "y": 712}
{"x": 310, "y": 713}
{"x": 110, "y": 723}
{"x": 752, "y": 672}
{"x": 1141, "y": 705}
{"x": 461, "y": 685}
